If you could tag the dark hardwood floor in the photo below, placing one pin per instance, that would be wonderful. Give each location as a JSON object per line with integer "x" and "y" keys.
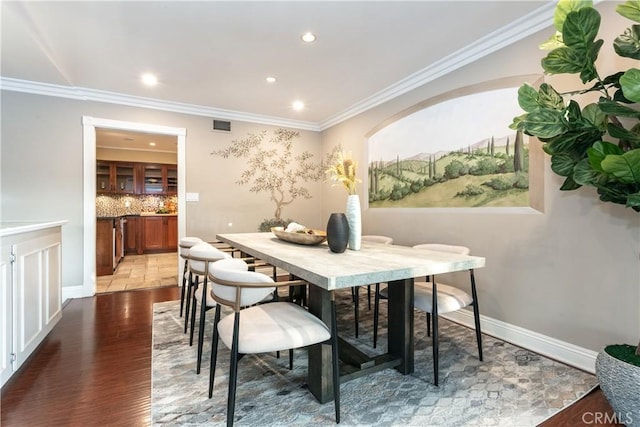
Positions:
{"x": 94, "y": 369}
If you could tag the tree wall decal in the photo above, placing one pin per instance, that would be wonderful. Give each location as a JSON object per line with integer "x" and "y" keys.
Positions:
{"x": 273, "y": 168}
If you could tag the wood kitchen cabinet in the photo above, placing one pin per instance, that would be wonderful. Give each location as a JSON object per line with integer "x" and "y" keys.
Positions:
{"x": 114, "y": 177}
{"x": 159, "y": 178}
{"x": 104, "y": 247}
{"x": 172, "y": 233}
{"x": 109, "y": 244}
{"x": 132, "y": 236}
{"x": 117, "y": 177}
{"x": 159, "y": 233}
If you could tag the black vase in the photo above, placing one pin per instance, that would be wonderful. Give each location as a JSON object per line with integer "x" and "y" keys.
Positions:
{"x": 338, "y": 232}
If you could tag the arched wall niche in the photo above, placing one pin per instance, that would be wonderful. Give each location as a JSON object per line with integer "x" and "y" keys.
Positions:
{"x": 488, "y": 172}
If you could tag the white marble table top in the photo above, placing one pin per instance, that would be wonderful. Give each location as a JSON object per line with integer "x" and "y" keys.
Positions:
{"x": 374, "y": 263}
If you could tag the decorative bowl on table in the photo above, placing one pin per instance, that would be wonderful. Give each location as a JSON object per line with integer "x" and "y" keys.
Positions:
{"x": 306, "y": 237}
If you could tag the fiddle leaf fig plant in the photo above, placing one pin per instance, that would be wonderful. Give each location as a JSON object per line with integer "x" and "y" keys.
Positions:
{"x": 597, "y": 144}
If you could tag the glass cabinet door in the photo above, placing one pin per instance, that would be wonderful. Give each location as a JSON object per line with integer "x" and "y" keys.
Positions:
{"x": 125, "y": 178}
{"x": 103, "y": 177}
{"x": 172, "y": 180}
{"x": 153, "y": 183}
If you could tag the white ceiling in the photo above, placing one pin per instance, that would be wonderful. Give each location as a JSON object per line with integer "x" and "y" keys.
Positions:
{"x": 136, "y": 141}
{"x": 212, "y": 57}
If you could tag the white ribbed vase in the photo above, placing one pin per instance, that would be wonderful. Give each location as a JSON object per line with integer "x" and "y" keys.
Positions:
{"x": 355, "y": 222}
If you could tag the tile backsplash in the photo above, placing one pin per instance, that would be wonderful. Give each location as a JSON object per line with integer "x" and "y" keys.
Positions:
{"x": 118, "y": 205}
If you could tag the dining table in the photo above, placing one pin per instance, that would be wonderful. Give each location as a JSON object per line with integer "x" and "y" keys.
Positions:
{"x": 327, "y": 271}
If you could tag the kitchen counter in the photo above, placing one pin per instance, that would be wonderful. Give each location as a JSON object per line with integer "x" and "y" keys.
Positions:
{"x": 10, "y": 228}
{"x": 157, "y": 214}
{"x": 136, "y": 215}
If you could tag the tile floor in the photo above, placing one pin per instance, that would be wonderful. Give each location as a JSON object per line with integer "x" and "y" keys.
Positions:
{"x": 141, "y": 271}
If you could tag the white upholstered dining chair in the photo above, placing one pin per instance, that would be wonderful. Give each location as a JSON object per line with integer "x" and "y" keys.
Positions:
{"x": 201, "y": 256}
{"x": 436, "y": 298}
{"x": 262, "y": 328}
{"x": 185, "y": 295}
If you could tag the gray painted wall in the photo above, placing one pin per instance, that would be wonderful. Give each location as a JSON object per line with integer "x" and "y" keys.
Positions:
{"x": 571, "y": 272}
{"x": 42, "y": 170}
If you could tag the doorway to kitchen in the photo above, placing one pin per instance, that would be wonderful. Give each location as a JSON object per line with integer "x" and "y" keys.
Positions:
{"x": 141, "y": 272}
{"x": 90, "y": 128}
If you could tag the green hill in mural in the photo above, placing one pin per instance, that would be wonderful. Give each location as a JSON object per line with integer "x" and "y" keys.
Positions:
{"x": 482, "y": 175}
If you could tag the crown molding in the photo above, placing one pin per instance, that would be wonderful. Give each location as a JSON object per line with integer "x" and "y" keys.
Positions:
{"x": 519, "y": 29}
{"x": 509, "y": 34}
{"x": 86, "y": 94}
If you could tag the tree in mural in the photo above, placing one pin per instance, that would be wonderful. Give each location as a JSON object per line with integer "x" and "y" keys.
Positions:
{"x": 518, "y": 155}
{"x": 273, "y": 168}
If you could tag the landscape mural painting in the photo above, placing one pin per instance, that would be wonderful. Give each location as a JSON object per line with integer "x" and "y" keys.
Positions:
{"x": 454, "y": 154}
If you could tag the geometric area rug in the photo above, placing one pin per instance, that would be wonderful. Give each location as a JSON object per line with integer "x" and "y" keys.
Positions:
{"x": 511, "y": 387}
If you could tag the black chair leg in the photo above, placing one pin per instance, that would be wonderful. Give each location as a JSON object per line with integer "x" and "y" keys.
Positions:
{"x": 184, "y": 285}
{"x": 334, "y": 359}
{"x": 194, "y": 307}
{"x": 190, "y": 286}
{"x": 376, "y": 312}
{"x": 233, "y": 375}
{"x": 290, "y": 359}
{"x": 356, "y": 308}
{"x": 434, "y": 313}
{"x": 203, "y": 312}
{"x": 476, "y": 314}
{"x": 369, "y": 296}
{"x": 214, "y": 351}
{"x": 428, "y": 324}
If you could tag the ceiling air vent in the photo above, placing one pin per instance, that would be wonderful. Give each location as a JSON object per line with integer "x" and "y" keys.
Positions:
{"x": 222, "y": 125}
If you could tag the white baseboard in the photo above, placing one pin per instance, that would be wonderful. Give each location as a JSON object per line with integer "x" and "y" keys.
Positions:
{"x": 561, "y": 351}
{"x": 69, "y": 292}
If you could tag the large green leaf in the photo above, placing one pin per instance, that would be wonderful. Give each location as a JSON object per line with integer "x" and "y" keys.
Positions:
{"x": 633, "y": 201}
{"x": 562, "y": 164}
{"x": 618, "y": 96}
{"x": 569, "y": 184}
{"x": 630, "y": 10}
{"x": 554, "y": 42}
{"x": 518, "y": 122}
{"x": 625, "y": 167}
{"x": 564, "y": 60}
{"x": 548, "y": 97}
{"x": 528, "y": 98}
{"x": 589, "y": 71}
{"x": 615, "y": 109}
{"x": 630, "y": 83}
{"x": 619, "y": 132}
{"x": 595, "y": 116}
{"x": 581, "y": 28}
{"x": 612, "y": 79}
{"x": 545, "y": 123}
{"x": 564, "y": 7}
{"x": 628, "y": 43}
{"x": 612, "y": 193}
{"x": 575, "y": 142}
{"x": 583, "y": 174}
{"x": 599, "y": 151}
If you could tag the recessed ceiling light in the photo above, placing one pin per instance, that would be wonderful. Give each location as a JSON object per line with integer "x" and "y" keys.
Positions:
{"x": 153, "y": 144}
{"x": 308, "y": 37}
{"x": 149, "y": 79}
{"x": 270, "y": 79}
{"x": 298, "y": 105}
